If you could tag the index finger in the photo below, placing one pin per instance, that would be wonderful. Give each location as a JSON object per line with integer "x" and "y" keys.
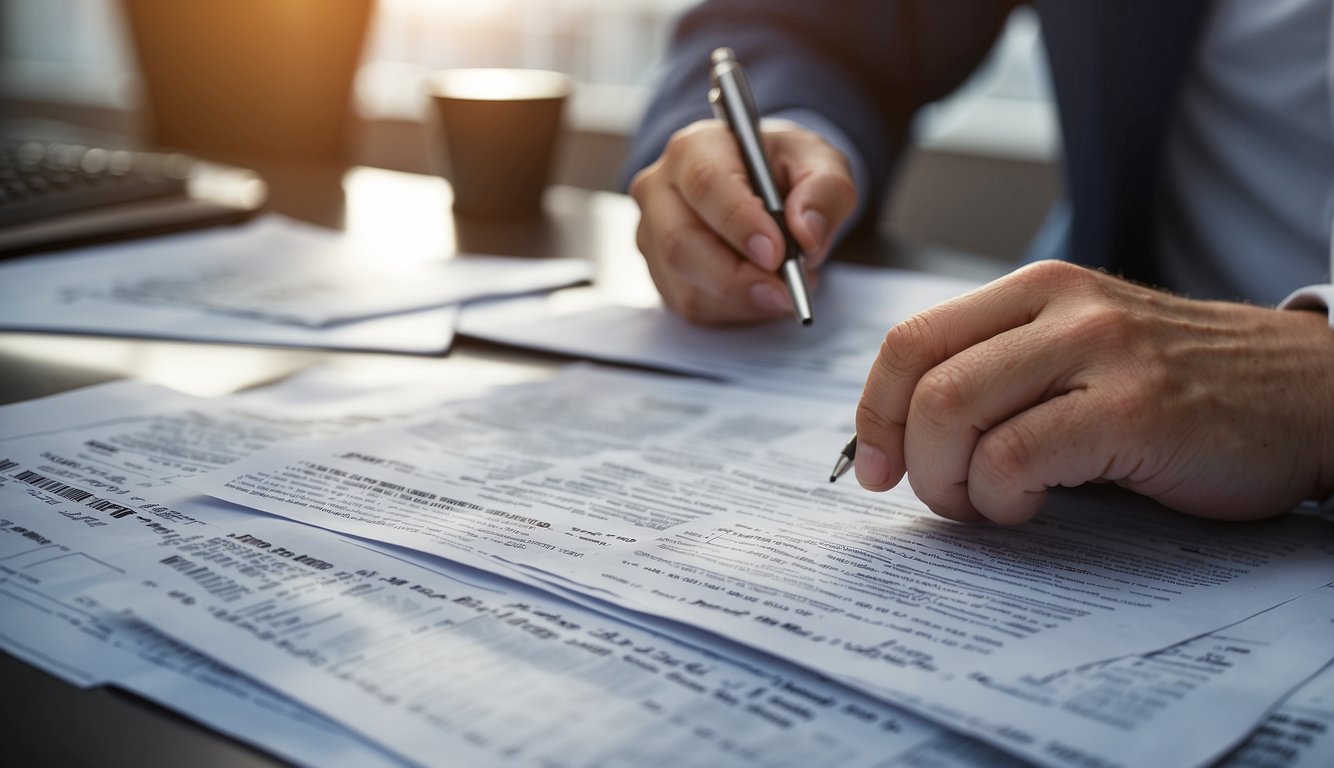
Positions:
{"x": 821, "y": 193}
{"x": 923, "y": 341}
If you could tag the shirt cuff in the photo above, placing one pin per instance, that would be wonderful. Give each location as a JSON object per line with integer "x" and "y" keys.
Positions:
{"x": 1312, "y": 297}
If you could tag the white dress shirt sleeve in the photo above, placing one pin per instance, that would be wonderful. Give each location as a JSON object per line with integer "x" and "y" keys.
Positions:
{"x": 1315, "y": 297}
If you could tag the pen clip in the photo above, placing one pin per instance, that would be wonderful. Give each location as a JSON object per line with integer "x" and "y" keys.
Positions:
{"x": 716, "y": 103}
{"x": 725, "y": 65}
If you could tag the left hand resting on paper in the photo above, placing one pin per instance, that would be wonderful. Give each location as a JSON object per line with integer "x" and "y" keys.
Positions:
{"x": 1057, "y": 375}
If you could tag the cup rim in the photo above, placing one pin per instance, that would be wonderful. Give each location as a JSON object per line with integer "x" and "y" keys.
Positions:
{"x": 497, "y": 84}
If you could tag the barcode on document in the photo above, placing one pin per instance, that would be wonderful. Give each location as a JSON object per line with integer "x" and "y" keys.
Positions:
{"x": 60, "y": 489}
{"x": 6, "y": 465}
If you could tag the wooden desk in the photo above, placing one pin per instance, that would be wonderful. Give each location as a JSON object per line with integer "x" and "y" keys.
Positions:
{"x": 49, "y": 722}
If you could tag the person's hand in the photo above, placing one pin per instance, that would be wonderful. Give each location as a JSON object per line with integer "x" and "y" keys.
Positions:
{"x": 711, "y": 247}
{"x": 1057, "y": 375}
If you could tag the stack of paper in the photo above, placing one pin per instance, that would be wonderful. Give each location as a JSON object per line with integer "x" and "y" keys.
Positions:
{"x": 607, "y": 568}
{"x": 273, "y": 281}
{"x": 593, "y": 553}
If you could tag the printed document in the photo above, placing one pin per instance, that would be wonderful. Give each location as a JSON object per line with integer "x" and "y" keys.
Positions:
{"x": 709, "y": 505}
{"x": 437, "y": 663}
{"x": 87, "y": 648}
{"x": 286, "y": 271}
{"x": 383, "y": 653}
{"x": 208, "y": 574}
{"x": 274, "y": 281}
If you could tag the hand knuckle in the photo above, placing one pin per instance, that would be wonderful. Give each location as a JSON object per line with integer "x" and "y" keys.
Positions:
{"x": 641, "y": 182}
{"x": 672, "y": 250}
{"x": 1003, "y": 454}
{"x": 940, "y": 499}
{"x": 680, "y": 142}
{"x": 941, "y": 393}
{"x": 698, "y": 178}
{"x": 903, "y": 344}
{"x": 1053, "y": 275}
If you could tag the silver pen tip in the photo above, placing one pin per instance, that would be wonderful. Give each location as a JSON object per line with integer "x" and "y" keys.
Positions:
{"x": 794, "y": 274}
{"x": 840, "y": 468}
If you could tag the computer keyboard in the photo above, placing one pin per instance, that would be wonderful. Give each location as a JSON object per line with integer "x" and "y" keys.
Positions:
{"x": 38, "y": 180}
{"x": 56, "y": 194}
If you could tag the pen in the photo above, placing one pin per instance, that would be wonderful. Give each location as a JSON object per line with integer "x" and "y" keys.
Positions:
{"x": 845, "y": 459}
{"x": 734, "y": 104}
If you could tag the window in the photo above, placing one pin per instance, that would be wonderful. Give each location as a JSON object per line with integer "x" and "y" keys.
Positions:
{"x": 76, "y": 52}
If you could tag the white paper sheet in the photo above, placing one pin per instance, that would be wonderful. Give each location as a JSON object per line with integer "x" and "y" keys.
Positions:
{"x": 1274, "y": 648}
{"x": 710, "y": 505}
{"x": 91, "y": 648}
{"x": 855, "y": 307}
{"x": 453, "y": 654}
{"x": 1298, "y": 734}
{"x": 168, "y": 434}
{"x": 286, "y": 271}
{"x": 180, "y": 678}
{"x": 258, "y": 284}
{"x": 441, "y": 665}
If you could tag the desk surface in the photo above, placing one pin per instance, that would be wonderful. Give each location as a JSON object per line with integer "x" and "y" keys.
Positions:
{"x": 118, "y": 728}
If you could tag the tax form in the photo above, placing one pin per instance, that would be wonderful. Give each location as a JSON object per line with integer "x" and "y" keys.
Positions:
{"x": 437, "y": 663}
{"x": 709, "y": 505}
{"x": 156, "y": 538}
{"x": 87, "y": 647}
{"x": 446, "y": 666}
{"x": 90, "y": 648}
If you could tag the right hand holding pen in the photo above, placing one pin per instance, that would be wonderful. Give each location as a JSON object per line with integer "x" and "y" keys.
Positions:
{"x": 711, "y": 247}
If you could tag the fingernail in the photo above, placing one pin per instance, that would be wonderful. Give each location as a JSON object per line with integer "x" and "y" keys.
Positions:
{"x": 871, "y": 466}
{"x": 818, "y": 226}
{"x": 770, "y": 297}
{"x": 762, "y": 251}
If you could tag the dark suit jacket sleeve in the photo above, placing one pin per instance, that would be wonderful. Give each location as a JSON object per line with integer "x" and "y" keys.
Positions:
{"x": 865, "y": 65}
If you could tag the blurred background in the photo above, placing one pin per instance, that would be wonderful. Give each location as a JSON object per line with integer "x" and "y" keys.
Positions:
{"x": 980, "y": 180}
